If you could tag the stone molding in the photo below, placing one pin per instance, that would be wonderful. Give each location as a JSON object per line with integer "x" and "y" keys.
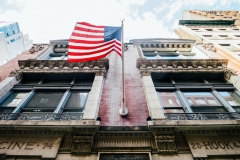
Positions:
{"x": 60, "y": 66}
{"x": 182, "y": 65}
{"x": 166, "y": 45}
{"x": 210, "y": 132}
{"x": 218, "y": 14}
{"x": 124, "y": 141}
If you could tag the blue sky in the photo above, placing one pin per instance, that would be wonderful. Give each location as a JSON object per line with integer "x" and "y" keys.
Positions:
{"x": 45, "y": 20}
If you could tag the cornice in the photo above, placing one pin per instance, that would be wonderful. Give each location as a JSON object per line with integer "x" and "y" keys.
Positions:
{"x": 62, "y": 66}
{"x": 146, "y": 67}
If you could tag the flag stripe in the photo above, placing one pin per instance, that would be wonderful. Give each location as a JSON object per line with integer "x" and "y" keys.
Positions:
{"x": 88, "y": 42}
{"x": 73, "y": 46}
{"x": 87, "y": 35}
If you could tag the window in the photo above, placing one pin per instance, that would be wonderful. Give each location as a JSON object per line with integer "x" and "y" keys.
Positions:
{"x": 201, "y": 98}
{"x": 199, "y": 95}
{"x": 204, "y": 102}
{"x": 51, "y": 93}
{"x": 12, "y": 101}
{"x": 207, "y": 35}
{"x": 43, "y": 101}
{"x": 170, "y": 102}
{"x": 231, "y": 97}
{"x": 76, "y": 102}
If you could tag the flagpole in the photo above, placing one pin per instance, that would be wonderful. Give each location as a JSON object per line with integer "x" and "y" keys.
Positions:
{"x": 123, "y": 111}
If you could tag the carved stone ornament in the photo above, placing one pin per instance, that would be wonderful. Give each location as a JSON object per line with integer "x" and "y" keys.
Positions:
{"x": 145, "y": 73}
{"x": 17, "y": 75}
{"x": 99, "y": 67}
{"x": 100, "y": 73}
{"x": 81, "y": 148}
{"x": 228, "y": 72}
{"x": 165, "y": 143}
{"x": 209, "y": 47}
{"x": 82, "y": 144}
{"x": 181, "y": 65}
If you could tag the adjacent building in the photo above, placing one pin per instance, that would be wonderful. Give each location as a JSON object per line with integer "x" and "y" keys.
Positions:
{"x": 12, "y": 41}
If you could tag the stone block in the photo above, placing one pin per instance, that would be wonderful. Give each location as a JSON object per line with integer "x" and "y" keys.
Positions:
{"x": 91, "y": 109}
{"x": 154, "y": 104}
{"x": 157, "y": 113}
{"x": 93, "y": 96}
{"x": 150, "y": 89}
{"x": 98, "y": 78}
{"x": 152, "y": 96}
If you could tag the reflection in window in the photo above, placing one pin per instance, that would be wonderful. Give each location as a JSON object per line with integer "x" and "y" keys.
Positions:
{"x": 212, "y": 101}
{"x": 231, "y": 97}
{"x": 173, "y": 110}
{"x": 168, "y": 99}
{"x": 201, "y": 98}
{"x": 201, "y": 101}
{"x": 14, "y": 99}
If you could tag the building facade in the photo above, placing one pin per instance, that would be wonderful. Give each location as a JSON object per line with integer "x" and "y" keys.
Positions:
{"x": 181, "y": 103}
{"x": 12, "y": 41}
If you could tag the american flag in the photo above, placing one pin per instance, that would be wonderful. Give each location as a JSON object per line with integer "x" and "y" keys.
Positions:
{"x": 90, "y": 42}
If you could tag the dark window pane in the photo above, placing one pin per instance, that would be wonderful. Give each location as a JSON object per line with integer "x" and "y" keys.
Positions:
{"x": 216, "y": 81}
{"x": 237, "y": 109}
{"x": 6, "y": 109}
{"x": 72, "y": 110}
{"x": 168, "y": 99}
{"x": 30, "y": 82}
{"x": 77, "y": 100}
{"x": 189, "y": 81}
{"x": 56, "y": 82}
{"x": 209, "y": 109}
{"x": 201, "y": 99}
{"x": 14, "y": 99}
{"x": 45, "y": 100}
{"x": 85, "y": 83}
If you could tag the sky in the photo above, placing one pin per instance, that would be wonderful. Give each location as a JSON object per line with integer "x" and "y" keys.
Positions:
{"x": 45, "y": 20}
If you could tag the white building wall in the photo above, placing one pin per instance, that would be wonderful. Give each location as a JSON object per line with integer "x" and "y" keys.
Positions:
{"x": 9, "y": 50}
{"x": 3, "y": 49}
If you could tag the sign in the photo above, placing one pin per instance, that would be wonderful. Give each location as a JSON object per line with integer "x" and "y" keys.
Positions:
{"x": 204, "y": 145}
{"x": 47, "y": 147}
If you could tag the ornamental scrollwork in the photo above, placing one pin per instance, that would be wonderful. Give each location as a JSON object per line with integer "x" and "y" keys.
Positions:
{"x": 228, "y": 72}
{"x": 165, "y": 143}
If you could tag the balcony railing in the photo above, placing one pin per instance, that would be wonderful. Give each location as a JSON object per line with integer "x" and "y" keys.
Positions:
{"x": 42, "y": 116}
{"x": 202, "y": 116}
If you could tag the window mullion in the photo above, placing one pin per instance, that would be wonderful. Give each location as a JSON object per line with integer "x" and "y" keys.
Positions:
{"x": 222, "y": 100}
{"x": 186, "y": 106}
{"x": 62, "y": 102}
{"x": 24, "y": 101}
